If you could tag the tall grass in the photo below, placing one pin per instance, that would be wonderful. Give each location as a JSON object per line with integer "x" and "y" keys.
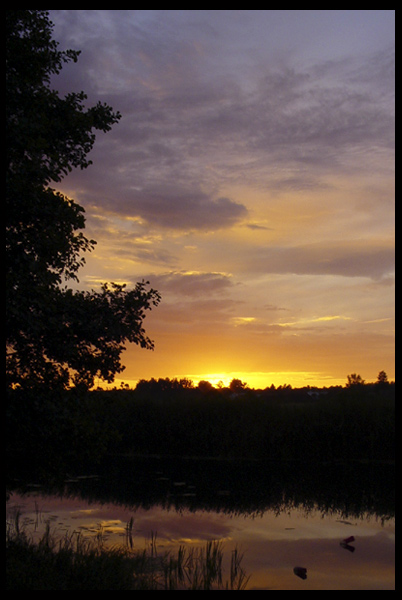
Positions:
{"x": 341, "y": 425}
{"x": 201, "y": 569}
{"x": 47, "y": 435}
{"x": 74, "y": 562}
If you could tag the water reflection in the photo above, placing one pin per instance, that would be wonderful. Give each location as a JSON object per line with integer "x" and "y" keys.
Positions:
{"x": 281, "y": 515}
{"x": 241, "y": 487}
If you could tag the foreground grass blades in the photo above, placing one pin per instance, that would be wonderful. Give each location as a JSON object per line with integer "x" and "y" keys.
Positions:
{"x": 76, "y": 563}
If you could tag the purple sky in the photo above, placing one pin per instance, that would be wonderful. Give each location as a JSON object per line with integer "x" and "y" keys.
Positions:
{"x": 250, "y": 179}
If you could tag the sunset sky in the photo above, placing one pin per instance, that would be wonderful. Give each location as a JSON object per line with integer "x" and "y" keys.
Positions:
{"x": 250, "y": 180}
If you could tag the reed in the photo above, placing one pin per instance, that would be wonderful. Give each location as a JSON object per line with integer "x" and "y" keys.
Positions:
{"x": 202, "y": 569}
{"x": 129, "y": 533}
{"x": 238, "y": 577}
{"x": 74, "y": 562}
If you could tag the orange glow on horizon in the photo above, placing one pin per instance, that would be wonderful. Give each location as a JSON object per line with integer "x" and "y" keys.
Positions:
{"x": 253, "y": 380}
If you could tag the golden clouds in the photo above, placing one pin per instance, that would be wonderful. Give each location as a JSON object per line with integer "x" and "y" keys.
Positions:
{"x": 253, "y": 185}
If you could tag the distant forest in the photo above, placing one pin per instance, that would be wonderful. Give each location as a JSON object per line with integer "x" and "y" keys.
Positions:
{"x": 49, "y": 433}
{"x": 237, "y": 386}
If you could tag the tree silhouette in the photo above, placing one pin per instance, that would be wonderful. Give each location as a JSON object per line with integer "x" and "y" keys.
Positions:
{"x": 237, "y": 385}
{"x": 54, "y": 335}
{"x": 205, "y": 386}
{"x": 382, "y": 378}
{"x": 354, "y": 380}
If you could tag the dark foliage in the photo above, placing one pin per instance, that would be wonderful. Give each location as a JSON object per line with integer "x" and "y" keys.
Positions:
{"x": 72, "y": 431}
{"x": 53, "y": 334}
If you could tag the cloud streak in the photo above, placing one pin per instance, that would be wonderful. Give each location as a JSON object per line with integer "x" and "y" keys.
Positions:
{"x": 185, "y": 135}
{"x": 187, "y": 283}
{"x": 358, "y": 258}
{"x": 182, "y": 209}
{"x": 253, "y": 166}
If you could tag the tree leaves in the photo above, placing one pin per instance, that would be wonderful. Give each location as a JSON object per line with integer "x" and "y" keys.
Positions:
{"x": 53, "y": 334}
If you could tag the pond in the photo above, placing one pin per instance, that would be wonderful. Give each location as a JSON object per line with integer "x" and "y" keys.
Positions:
{"x": 280, "y": 516}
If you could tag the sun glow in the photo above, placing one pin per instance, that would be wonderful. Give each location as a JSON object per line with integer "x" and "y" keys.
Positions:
{"x": 253, "y": 380}
{"x": 262, "y": 380}
{"x": 216, "y": 379}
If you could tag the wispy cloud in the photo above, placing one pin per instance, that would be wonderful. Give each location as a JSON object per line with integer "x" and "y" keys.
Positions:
{"x": 192, "y": 283}
{"x": 323, "y": 319}
{"x": 355, "y": 258}
{"x": 253, "y": 167}
{"x": 184, "y": 136}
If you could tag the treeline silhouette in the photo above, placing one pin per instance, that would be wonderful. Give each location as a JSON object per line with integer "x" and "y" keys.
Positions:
{"x": 237, "y": 385}
{"x": 169, "y": 418}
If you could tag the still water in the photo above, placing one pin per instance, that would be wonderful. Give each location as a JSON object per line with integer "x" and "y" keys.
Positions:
{"x": 278, "y": 524}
